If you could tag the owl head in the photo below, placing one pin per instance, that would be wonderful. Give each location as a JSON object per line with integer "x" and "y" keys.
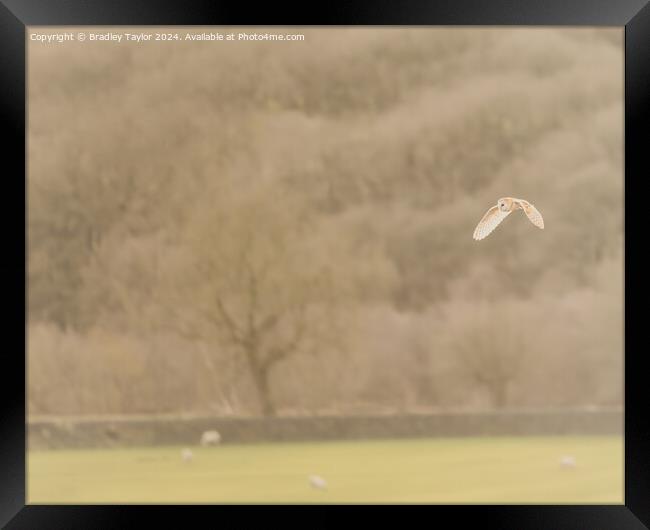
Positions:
{"x": 505, "y": 204}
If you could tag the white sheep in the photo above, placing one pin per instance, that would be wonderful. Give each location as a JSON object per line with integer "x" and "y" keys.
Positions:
{"x": 210, "y": 438}
{"x": 186, "y": 455}
{"x": 568, "y": 462}
{"x": 317, "y": 482}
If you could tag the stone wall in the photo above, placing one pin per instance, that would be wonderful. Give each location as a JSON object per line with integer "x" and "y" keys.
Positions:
{"x": 143, "y": 431}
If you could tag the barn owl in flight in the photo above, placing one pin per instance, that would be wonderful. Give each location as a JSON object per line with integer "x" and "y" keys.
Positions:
{"x": 504, "y": 207}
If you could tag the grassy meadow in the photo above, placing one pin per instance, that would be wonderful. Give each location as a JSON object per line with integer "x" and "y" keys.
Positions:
{"x": 448, "y": 470}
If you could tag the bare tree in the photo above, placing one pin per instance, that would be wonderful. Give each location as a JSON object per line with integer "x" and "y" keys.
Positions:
{"x": 491, "y": 349}
{"x": 259, "y": 288}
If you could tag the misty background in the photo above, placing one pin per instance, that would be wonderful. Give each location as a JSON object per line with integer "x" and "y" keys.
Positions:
{"x": 284, "y": 228}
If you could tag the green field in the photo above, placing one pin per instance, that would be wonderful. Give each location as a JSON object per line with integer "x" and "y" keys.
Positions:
{"x": 447, "y": 470}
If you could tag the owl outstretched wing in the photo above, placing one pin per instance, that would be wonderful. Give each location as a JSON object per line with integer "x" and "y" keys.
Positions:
{"x": 533, "y": 214}
{"x": 490, "y": 221}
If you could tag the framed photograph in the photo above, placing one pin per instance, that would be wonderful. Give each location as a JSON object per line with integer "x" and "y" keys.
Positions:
{"x": 375, "y": 255}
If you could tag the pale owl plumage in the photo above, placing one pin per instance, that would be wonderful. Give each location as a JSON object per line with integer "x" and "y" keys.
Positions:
{"x": 503, "y": 208}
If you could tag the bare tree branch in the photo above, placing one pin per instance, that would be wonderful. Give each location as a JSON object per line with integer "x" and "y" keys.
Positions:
{"x": 230, "y": 325}
{"x": 279, "y": 353}
{"x": 268, "y": 323}
{"x": 252, "y": 301}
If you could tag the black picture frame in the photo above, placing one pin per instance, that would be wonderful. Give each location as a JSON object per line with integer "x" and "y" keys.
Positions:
{"x": 17, "y": 15}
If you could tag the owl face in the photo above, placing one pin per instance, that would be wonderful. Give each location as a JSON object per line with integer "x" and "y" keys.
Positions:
{"x": 505, "y": 204}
